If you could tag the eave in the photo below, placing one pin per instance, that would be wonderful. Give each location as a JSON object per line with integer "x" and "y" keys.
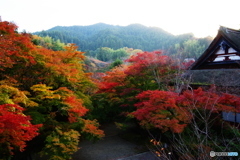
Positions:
{"x": 224, "y": 35}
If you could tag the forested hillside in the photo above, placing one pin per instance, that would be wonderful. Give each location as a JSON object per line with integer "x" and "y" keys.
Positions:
{"x": 90, "y": 38}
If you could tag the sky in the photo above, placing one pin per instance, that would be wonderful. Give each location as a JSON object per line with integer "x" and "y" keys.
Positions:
{"x": 200, "y": 17}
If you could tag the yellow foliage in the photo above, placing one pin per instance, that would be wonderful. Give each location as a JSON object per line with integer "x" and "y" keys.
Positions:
{"x": 43, "y": 90}
{"x": 61, "y": 144}
{"x": 12, "y": 95}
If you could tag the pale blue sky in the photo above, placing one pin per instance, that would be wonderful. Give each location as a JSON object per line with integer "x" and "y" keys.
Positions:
{"x": 201, "y": 17}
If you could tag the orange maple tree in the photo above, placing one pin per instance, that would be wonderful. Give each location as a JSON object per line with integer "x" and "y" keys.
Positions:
{"x": 14, "y": 47}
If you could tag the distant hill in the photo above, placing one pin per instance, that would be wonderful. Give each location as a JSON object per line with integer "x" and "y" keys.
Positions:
{"x": 92, "y": 64}
{"x": 134, "y": 36}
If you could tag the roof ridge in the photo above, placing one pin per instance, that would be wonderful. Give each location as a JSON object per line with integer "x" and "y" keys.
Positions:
{"x": 227, "y": 29}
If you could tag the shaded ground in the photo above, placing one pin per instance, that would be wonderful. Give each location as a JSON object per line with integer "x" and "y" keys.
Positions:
{"x": 114, "y": 147}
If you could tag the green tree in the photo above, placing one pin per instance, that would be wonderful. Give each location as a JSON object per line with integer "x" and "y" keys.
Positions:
{"x": 48, "y": 42}
{"x": 116, "y": 63}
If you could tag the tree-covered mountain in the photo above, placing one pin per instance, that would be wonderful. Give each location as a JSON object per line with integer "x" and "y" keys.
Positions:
{"x": 134, "y": 36}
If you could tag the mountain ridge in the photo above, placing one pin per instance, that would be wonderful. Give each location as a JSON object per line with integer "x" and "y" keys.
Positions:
{"x": 135, "y": 36}
{"x": 107, "y": 35}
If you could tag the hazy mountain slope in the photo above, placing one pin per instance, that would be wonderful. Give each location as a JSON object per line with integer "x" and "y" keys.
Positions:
{"x": 132, "y": 36}
{"x": 103, "y": 35}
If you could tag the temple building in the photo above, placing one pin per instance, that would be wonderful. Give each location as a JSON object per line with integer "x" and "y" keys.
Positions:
{"x": 220, "y": 65}
{"x": 222, "y": 53}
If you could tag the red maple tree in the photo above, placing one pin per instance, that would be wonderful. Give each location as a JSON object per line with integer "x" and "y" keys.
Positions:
{"x": 15, "y": 128}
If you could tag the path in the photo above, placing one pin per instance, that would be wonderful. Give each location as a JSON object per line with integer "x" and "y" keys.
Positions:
{"x": 112, "y": 147}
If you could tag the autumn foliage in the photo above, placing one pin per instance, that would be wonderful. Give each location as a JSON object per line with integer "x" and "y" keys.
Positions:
{"x": 45, "y": 95}
{"x": 47, "y": 98}
{"x": 15, "y": 128}
{"x": 209, "y": 100}
{"x": 144, "y": 89}
{"x": 170, "y": 111}
{"x": 143, "y": 71}
{"x": 14, "y": 47}
{"x": 153, "y": 69}
{"x": 160, "y": 109}
{"x": 147, "y": 88}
